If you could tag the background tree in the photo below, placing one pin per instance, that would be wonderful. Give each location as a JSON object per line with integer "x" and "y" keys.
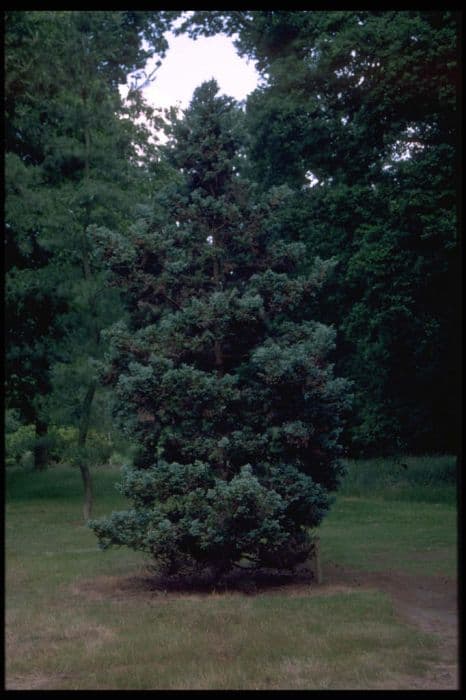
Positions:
{"x": 220, "y": 374}
{"x": 363, "y": 107}
{"x": 73, "y": 159}
{"x": 33, "y": 299}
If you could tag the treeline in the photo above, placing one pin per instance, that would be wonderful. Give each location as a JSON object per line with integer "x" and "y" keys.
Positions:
{"x": 75, "y": 158}
{"x": 356, "y": 113}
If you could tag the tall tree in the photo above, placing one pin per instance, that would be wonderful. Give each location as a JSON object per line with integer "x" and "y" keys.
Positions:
{"x": 33, "y": 298}
{"x": 72, "y": 161}
{"x": 358, "y": 113}
{"x": 220, "y": 374}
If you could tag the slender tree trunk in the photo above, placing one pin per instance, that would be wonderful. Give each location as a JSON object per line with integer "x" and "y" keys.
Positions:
{"x": 83, "y": 466}
{"x": 218, "y": 358}
{"x": 40, "y": 447}
{"x": 88, "y": 491}
{"x": 88, "y": 399}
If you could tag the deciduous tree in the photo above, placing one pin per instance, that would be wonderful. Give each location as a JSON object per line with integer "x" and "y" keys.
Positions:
{"x": 72, "y": 161}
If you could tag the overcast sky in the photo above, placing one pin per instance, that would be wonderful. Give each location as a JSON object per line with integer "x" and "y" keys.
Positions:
{"x": 188, "y": 63}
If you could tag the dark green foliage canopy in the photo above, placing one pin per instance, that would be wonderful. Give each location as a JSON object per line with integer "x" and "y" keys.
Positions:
{"x": 220, "y": 373}
{"x": 71, "y": 161}
{"x": 364, "y": 105}
{"x": 348, "y": 153}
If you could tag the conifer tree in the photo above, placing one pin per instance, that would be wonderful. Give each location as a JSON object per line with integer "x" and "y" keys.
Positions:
{"x": 220, "y": 375}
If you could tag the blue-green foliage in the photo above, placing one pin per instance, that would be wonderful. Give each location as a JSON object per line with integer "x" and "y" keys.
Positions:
{"x": 220, "y": 375}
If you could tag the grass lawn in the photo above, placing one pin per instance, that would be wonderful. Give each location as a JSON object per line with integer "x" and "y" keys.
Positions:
{"x": 392, "y": 517}
{"x": 375, "y": 535}
{"x": 76, "y": 620}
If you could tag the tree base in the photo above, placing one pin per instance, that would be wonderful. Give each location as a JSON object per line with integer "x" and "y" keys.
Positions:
{"x": 312, "y": 563}
{"x": 245, "y": 580}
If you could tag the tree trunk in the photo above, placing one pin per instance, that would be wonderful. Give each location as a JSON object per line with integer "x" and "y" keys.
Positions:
{"x": 88, "y": 399}
{"x": 218, "y": 358}
{"x": 40, "y": 447}
{"x": 85, "y": 472}
{"x": 88, "y": 494}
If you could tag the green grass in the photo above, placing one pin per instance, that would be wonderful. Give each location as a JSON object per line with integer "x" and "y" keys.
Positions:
{"x": 390, "y": 516}
{"x": 73, "y": 621}
{"x": 429, "y": 479}
{"x": 374, "y": 535}
{"x": 61, "y": 483}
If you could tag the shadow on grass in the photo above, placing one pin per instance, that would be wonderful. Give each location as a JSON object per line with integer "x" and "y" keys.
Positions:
{"x": 236, "y": 581}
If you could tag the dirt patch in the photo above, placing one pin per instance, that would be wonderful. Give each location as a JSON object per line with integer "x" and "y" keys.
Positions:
{"x": 148, "y": 586}
{"x": 430, "y": 603}
{"x": 116, "y": 588}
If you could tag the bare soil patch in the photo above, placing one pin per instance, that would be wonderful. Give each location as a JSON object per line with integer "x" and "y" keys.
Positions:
{"x": 430, "y": 603}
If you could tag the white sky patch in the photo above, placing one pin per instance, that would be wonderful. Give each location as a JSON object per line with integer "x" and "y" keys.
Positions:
{"x": 405, "y": 148}
{"x": 188, "y": 63}
{"x": 311, "y": 178}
